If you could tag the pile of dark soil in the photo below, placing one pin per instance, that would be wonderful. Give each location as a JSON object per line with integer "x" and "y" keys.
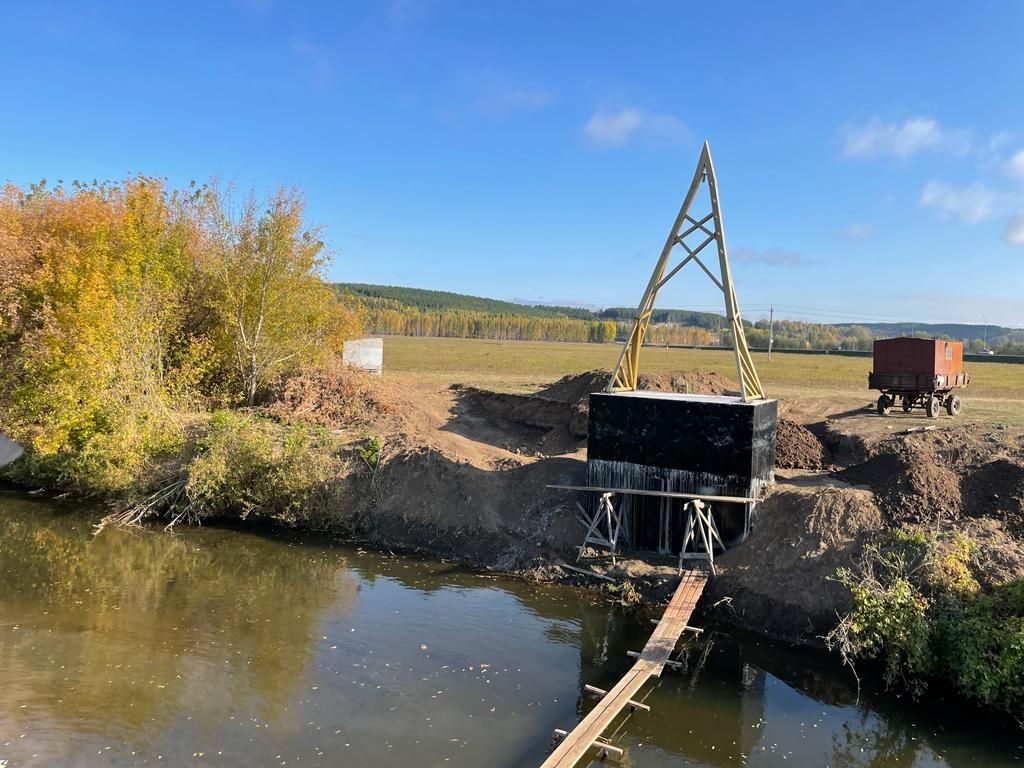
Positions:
{"x": 796, "y": 447}
{"x": 996, "y": 490}
{"x": 781, "y": 579}
{"x": 912, "y": 482}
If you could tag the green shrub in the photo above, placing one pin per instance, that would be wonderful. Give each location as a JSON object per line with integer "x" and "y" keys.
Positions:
{"x": 981, "y": 644}
{"x": 917, "y": 608}
{"x": 887, "y": 621}
{"x": 370, "y": 452}
{"x": 247, "y": 466}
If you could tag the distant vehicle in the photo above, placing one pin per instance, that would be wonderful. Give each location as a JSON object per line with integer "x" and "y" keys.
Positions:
{"x": 921, "y": 372}
{"x": 987, "y": 352}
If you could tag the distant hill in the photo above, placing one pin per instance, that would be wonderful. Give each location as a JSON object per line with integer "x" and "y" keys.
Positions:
{"x": 440, "y": 301}
{"x": 709, "y": 320}
{"x": 385, "y": 297}
{"x": 953, "y": 330}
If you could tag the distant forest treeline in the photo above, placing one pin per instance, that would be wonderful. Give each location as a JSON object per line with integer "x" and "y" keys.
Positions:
{"x": 394, "y": 310}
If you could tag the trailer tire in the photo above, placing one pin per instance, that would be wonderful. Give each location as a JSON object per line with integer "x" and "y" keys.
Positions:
{"x": 908, "y": 403}
{"x": 884, "y": 405}
{"x": 953, "y": 405}
{"x": 932, "y": 406}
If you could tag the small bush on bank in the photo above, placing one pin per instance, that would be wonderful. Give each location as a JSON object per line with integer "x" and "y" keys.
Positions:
{"x": 917, "y": 608}
{"x": 247, "y": 466}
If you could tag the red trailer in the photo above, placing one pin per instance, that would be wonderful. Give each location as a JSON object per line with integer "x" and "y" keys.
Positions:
{"x": 921, "y": 372}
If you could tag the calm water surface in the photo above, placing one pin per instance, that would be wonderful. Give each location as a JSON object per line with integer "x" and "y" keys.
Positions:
{"x": 220, "y": 647}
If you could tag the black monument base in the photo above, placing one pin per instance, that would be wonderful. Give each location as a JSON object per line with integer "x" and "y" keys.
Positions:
{"x": 658, "y": 441}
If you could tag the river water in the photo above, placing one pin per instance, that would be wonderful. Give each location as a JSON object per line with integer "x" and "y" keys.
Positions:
{"x": 233, "y": 648}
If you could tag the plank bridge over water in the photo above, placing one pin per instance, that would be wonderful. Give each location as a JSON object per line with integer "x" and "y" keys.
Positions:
{"x": 650, "y": 662}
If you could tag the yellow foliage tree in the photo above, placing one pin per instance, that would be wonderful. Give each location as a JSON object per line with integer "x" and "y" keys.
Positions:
{"x": 277, "y": 312}
{"x": 118, "y": 303}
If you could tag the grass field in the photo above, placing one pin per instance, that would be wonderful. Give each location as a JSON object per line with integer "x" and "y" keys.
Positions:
{"x": 996, "y": 393}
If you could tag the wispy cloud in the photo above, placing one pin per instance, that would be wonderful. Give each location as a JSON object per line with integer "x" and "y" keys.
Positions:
{"x": 876, "y": 138}
{"x": 501, "y": 101}
{"x": 614, "y": 129}
{"x": 403, "y": 12}
{"x": 316, "y": 58}
{"x": 1014, "y": 232}
{"x": 857, "y": 232}
{"x": 772, "y": 257}
{"x": 1015, "y": 165}
{"x": 970, "y": 204}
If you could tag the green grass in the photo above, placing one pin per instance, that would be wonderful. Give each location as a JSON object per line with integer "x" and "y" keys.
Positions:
{"x": 996, "y": 393}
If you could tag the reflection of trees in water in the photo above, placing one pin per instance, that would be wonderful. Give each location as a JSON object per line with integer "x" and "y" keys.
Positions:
{"x": 127, "y": 629}
{"x": 873, "y": 742}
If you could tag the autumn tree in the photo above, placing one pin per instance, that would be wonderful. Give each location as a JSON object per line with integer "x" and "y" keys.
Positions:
{"x": 276, "y": 310}
{"x": 90, "y": 297}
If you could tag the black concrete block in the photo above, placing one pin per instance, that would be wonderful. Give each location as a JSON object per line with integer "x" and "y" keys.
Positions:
{"x": 703, "y": 434}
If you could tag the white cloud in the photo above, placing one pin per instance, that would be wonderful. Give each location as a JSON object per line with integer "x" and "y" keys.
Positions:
{"x": 970, "y": 204}
{"x": 613, "y": 129}
{"x": 1015, "y": 165}
{"x": 501, "y": 102}
{"x": 1014, "y": 233}
{"x": 773, "y": 257}
{"x": 858, "y": 232}
{"x": 916, "y": 134}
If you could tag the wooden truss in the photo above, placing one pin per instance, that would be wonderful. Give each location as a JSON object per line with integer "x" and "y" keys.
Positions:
{"x": 607, "y": 514}
{"x": 702, "y": 532}
{"x": 701, "y": 232}
{"x": 604, "y": 526}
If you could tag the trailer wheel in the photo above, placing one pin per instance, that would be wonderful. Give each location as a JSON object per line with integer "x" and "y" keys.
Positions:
{"x": 953, "y": 405}
{"x": 931, "y": 406}
{"x": 884, "y": 405}
{"x": 908, "y": 403}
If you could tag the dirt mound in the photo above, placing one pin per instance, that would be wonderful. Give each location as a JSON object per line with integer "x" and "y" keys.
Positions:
{"x": 796, "y": 447}
{"x": 337, "y": 395}
{"x": 912, "y": 481}
{"x": 503, "y": 518}
{"x": 527, "y": 424}
{"x": 554, "y": 420}
{"x": 996, "y": 490}
{"x": 575, "y": 387}
{"x": 688, "y": 382}
{"x": 997, "y": 556}
{"x": 780, "y": 578}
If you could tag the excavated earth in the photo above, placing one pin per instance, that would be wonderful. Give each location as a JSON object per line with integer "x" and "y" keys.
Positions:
{"x": 464, "y": 474}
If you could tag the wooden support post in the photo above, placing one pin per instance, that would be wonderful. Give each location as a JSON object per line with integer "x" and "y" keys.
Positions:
{"x": 638, "y": 655}
{"x": 600, "y": 744}
{"x": 612, "y": 519}
{"x": 634, "y": 705}
{"x": 695, "y": 630}
{"x": 703, "y": 532}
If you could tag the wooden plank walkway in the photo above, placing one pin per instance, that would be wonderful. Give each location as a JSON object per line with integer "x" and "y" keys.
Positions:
{"x": 650, "y": 662}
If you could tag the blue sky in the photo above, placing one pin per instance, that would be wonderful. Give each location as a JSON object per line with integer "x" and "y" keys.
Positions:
{"x": 870, "y": 156}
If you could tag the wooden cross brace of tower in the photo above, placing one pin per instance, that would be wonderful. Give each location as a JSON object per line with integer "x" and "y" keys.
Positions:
{"x": 706, "y": 229}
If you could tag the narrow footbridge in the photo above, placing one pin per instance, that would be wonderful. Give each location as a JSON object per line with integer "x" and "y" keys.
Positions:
{"x": 649, "y": 663}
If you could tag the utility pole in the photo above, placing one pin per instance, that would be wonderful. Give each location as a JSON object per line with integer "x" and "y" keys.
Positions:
{"x": 771, "y": 330}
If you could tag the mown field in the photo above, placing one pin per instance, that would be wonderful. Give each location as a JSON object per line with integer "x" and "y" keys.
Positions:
{"x": 996, "y": 394}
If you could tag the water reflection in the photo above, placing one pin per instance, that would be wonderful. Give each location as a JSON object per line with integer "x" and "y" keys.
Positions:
{"x": 220, "y": 647}
{"x": 123, "y": 632}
